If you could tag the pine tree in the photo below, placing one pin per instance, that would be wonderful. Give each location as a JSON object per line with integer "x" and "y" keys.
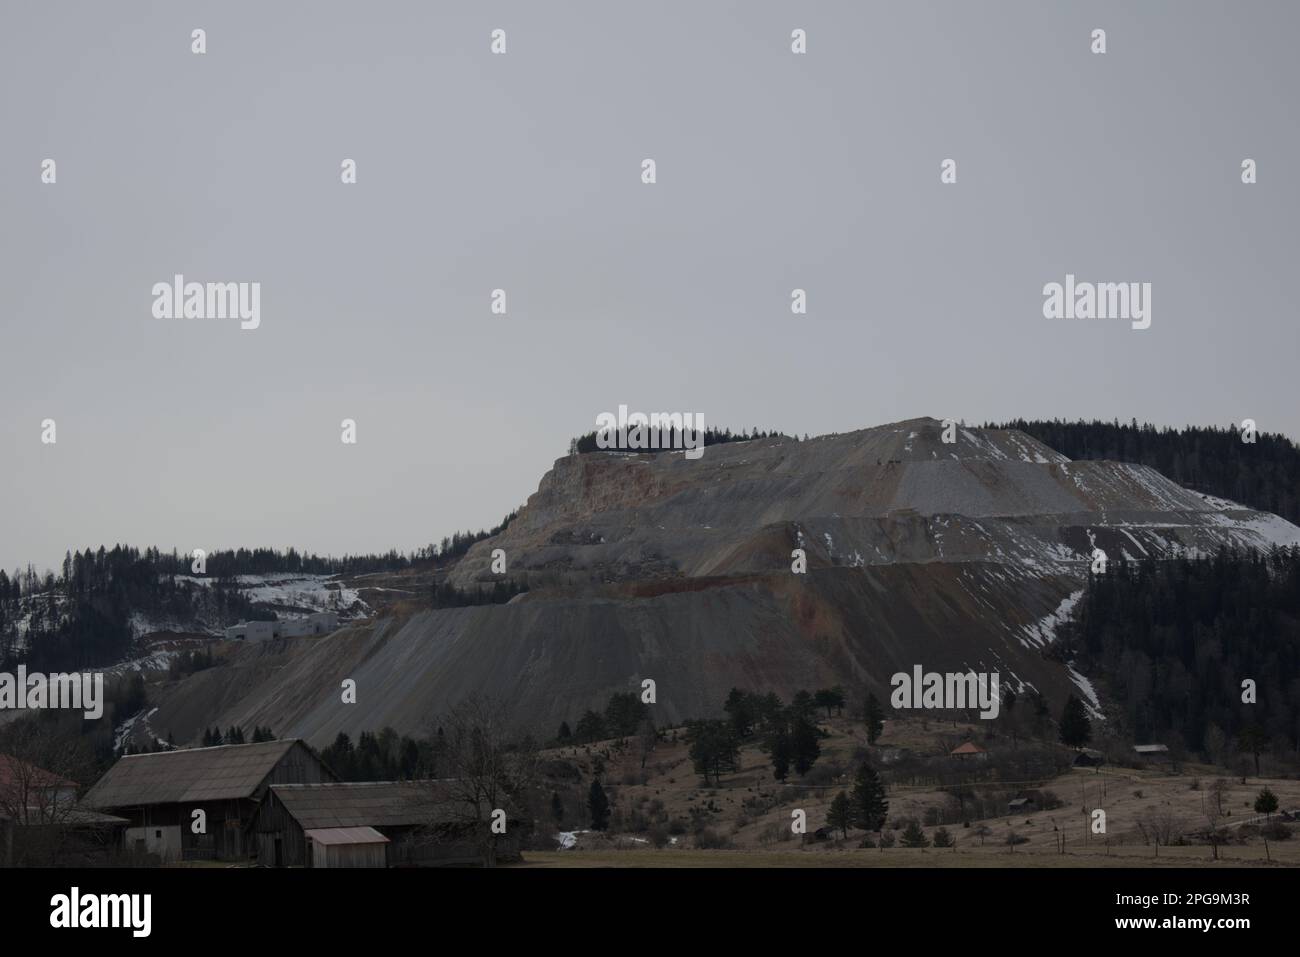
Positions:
{"x": 598, "y": 805}
{"x": 1076, "y": 729}
{"x": 780, "y": 749}
{"x": 1252, "y": 740}
{"x": 804, "y": 744}
{"x": 714, "y": 749}
{"x": 875, "y": 718}
{"x": 591, "y": 727}
{"x": 557, "y": 807}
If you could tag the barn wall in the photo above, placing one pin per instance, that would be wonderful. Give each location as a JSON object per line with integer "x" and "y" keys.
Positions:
{"x": 348, "y": 855}
{"x": 272, "y": 822}
{"x": 298, "y": 766}
{"x": 163, "y": 840}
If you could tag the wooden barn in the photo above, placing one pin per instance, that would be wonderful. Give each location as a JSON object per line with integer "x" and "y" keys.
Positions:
{"x": 160, "y": 793}
{"x": 420, "y": 820}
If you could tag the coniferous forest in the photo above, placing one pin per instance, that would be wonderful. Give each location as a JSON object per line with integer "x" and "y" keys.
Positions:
{"x": 1174, "y": 642}
{"x": 668, "y": 439}
{"x": 1264, "y": 474}
{"x": 79, "y": 617}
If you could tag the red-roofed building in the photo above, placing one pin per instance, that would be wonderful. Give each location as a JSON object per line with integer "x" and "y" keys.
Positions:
{"x": 41, "y": 823}
{"x": 967, "y": 750}
{"x": 30, "y": 795}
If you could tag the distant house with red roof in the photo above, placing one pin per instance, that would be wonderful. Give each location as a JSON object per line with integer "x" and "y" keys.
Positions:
{"x": 968, "y": 749}
{"x": 31, "y": 795}
{"x": 42, "y": 824}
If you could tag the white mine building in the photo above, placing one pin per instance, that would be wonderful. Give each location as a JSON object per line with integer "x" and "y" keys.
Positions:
{"x": 320, "y": 623}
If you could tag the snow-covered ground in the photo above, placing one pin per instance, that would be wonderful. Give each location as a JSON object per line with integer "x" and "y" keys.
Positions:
{"x": 305, "y": 593}
{"x": 156, "y": 661}
{"x": 123, "y": 732}
{"x": 1090, "y": 699}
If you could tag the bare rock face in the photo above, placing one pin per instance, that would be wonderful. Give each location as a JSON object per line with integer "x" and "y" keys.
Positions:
{"x": 952, "y": 555}
{"x": 888, "y": 495}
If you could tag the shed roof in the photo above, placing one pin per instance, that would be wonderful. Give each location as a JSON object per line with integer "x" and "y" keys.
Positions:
{"x": 970, "y": 747}
{"x": 226, "y": 772}
{"x": 366, "y": 803}
{"x": 74, "y": 816}
{"x": 345, "y": 835}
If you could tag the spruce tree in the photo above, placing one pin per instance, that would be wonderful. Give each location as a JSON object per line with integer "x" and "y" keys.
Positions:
{"x": 1265, "y": 802}
{"x": 840, "y": 815}
{"x": 869, "y": 805}
{"x": 913, "y": 836}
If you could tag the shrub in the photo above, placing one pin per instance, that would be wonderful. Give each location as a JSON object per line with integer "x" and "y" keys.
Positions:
{"x": 709, "y": 839}
{"x": 1275, "y": 831}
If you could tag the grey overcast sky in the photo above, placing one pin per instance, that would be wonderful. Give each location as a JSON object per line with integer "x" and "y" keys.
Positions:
{"x": 522, "y": 172}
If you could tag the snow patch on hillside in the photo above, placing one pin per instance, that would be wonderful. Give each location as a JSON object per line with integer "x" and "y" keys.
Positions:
{"x": 1042, "y": 633}
{"x": 1090, "y": 699}
{"x": 306, "y": 593}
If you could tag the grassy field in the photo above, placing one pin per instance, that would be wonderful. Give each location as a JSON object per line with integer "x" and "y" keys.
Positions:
{"x": 749, "y": 814}
{"x": 907, "y": 857}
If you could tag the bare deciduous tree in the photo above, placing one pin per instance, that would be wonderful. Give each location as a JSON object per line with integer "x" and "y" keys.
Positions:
{"x": 39, "y": 770}
{"x": 489, "y": 768}
{"x": 1214, "y": 819}
{"x": 1219, "y": 789}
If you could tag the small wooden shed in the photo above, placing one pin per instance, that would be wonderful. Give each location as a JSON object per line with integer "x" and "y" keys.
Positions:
{"x": 346, "y": 847}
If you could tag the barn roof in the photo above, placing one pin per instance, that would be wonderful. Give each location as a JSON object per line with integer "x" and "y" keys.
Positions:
{"x": 345, "y": 835}
{"x": 970, "y": 747}
{"x": 367, "y": 803}
{"x": 222, "y": 773}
